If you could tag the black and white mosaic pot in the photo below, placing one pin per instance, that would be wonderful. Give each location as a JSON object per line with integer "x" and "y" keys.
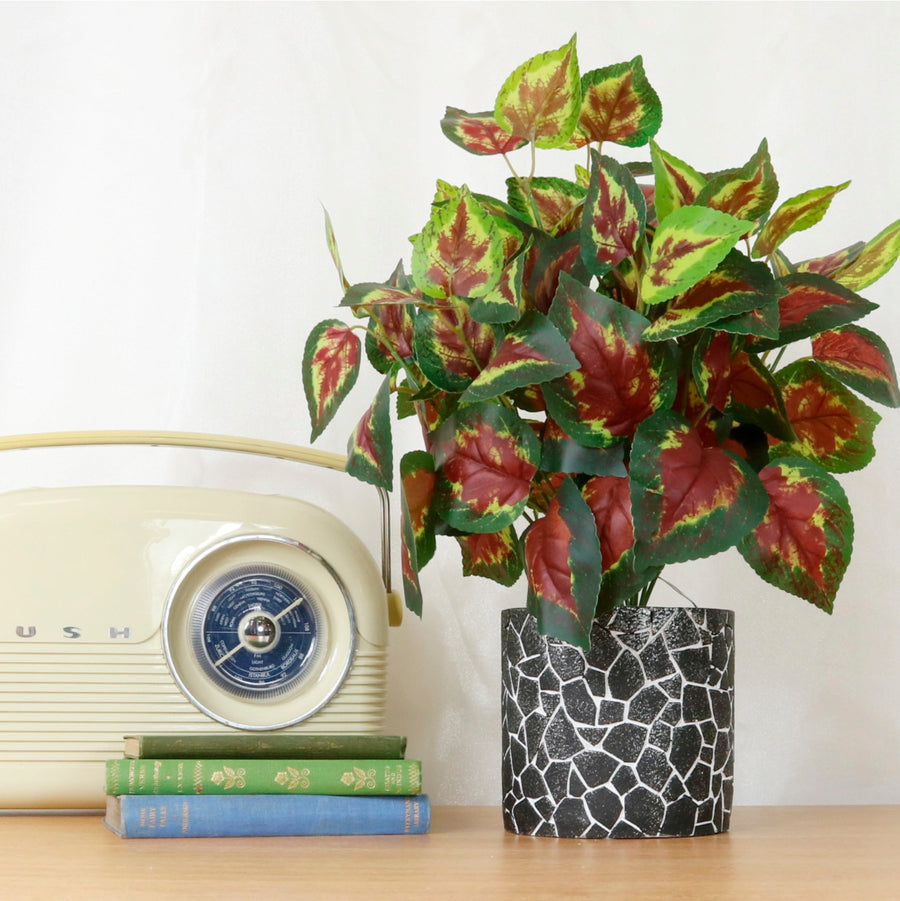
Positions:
{"x": 632, "y": 738}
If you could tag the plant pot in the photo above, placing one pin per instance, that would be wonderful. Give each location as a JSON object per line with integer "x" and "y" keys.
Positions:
{"x": 631, "y": 738}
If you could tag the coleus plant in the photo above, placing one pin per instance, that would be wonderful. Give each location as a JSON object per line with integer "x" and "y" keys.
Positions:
{"x": 597, "y": 362}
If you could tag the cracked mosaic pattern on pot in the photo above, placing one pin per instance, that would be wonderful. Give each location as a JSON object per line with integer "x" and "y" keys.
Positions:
{"x": 634, "y": 737}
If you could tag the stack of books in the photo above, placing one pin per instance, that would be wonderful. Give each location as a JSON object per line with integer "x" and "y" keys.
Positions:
{"x": 174, "y": 786}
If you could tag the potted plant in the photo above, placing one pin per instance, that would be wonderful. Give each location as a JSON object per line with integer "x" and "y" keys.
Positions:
{"x": 599, "y": 367}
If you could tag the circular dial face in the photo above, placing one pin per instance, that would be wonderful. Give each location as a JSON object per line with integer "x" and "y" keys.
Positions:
{"x": 257, "y": 631}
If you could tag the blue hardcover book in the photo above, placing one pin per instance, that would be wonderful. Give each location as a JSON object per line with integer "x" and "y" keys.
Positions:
{"x": 184, "y": 816}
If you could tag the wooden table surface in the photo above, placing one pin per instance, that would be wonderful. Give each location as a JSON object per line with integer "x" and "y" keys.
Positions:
{"x": 771, "y": 853}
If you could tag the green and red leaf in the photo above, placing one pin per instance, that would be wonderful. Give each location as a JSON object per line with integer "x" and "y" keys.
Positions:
{"x": 739, "y": 384}
{"x": 371, "y": 294}
{"x": 689, "y": 243}
{"x": 833, "y": 426}
{"x": 459, "y": 253}
{"x": 333, "y": 251}
{"x": 494, "y": 555}
{"x": 451, "y": 347}
{"x": 618, "y": 104}
{"x": 560, "y": 453}
{"x": 330, "y": 367}
{"x": 417, "y": 526}
{"x": 861, "y": 360}
{"x": 676, "y": 184}
{"x": 551, "y": 257}
{"x": 689, "y": 500}
{"x": 622, "y": 379}
{"x": 811, "y": 304}
{"x": 555, "y": 200}
{"x": 737, "y": 286}
{"x": 874, "y": 260}
{"x": 805, "y": 539}
{"x": 615, "y": 216}
{"x": 390, "y": 336}
{"x": 504, "y": 303}
{"x": 478, "y": 133}
{"x": 541, "y": 99}
{"x": 562, "y": 561}
{"x": 486, "y": 457}
{"x": 794, "y": 215}
{"x": 370, "y": 448}
{"x": 830, "y": 263}
{"x": 531, "y": 353}
{"x": 746, "y": 193}
{"x": 417, "y": 480}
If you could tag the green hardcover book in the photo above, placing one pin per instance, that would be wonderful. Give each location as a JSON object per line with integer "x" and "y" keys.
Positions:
{"x": 149, "y": 776}
{"x": 245, "y": 745}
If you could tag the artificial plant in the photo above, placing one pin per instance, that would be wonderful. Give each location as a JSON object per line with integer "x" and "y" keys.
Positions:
{"x": 597, "y": 361}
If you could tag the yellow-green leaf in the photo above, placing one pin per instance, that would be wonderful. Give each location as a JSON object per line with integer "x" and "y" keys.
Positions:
{"x": 541, "y": 99}
{"x": 874, "y": 260}
{"x": 794, "y": 215}
{"x": 689, "y": 243}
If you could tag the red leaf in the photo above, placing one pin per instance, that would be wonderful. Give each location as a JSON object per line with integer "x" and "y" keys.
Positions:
{"x": 478, "y": 133}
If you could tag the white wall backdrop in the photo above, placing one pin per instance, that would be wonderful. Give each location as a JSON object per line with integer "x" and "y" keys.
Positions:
{"x": 163, "y": 169}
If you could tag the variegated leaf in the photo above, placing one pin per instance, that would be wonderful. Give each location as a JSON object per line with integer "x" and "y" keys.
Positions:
{"x": 560, "y": 453}
{"x": 459, "y": 253}
{"x": 550, "y": 258}
{"x": 531, "y": 353}
{"x": 689, "y": 243}
{"x": 417, "y": 479}
{"x": 756, "y": 397}
{"x": 554, "y": 200}
{"x": 504, "y": 303}
{"x": 830, "y": 263}
{"x": 478, "y": 133}
{"x": 735, "y": 287}
{"x": 746, "y": 193}
{"x": 562, "y": 561}
{"x": 739, "y": 384}
{"x": 874, "y": 260}
{"x": 763, "y": 322}
{"x": 688, "y": 499}
{"x": 812, "y": 304}
{"x": 330, "y": 367}
{"x": 451, "y": 347}
{"x": 861, "y": 360}
{"x": 618, "y": 104}
{"x": 804, "y": 541}
{"x": 495, "y": 555}
{"x": 370, "y": 448}
{"x": 333, "y": 250}
{"x": 390, "y": 336}
{"x": 833, "y": 426}
{"x": 486, "y": 457}
{"x": 794, "y": 215}
{"x": 609, "y": 498}
{"x": 615, "y": 216}
{"x": 417, "y": 522}
{"x": 622, "y": 379}
{"x": 676, "y": 183}
{"x": 372, "y": 294}
{"x": 541, "y": 99}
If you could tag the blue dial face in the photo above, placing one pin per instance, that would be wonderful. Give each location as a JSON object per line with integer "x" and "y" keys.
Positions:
{"x": 259, "y": 633}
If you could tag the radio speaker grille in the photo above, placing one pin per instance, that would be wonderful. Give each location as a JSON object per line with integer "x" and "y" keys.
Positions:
{"x": 76, "y": 706}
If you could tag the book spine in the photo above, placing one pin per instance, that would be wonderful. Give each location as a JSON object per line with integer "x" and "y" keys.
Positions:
{"x": 143, "y": 776}
{"x": 243, "y": 745}
{"x": 184, "y": 816}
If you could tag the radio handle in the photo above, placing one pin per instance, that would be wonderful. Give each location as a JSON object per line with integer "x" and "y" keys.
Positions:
{"x": 282, "y": 451}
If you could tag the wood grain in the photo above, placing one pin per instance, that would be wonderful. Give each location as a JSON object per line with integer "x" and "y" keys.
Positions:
{"x": 771, "y": 853}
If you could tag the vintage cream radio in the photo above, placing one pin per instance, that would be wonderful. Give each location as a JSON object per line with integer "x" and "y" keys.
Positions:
{"x": 153, "y": 609}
